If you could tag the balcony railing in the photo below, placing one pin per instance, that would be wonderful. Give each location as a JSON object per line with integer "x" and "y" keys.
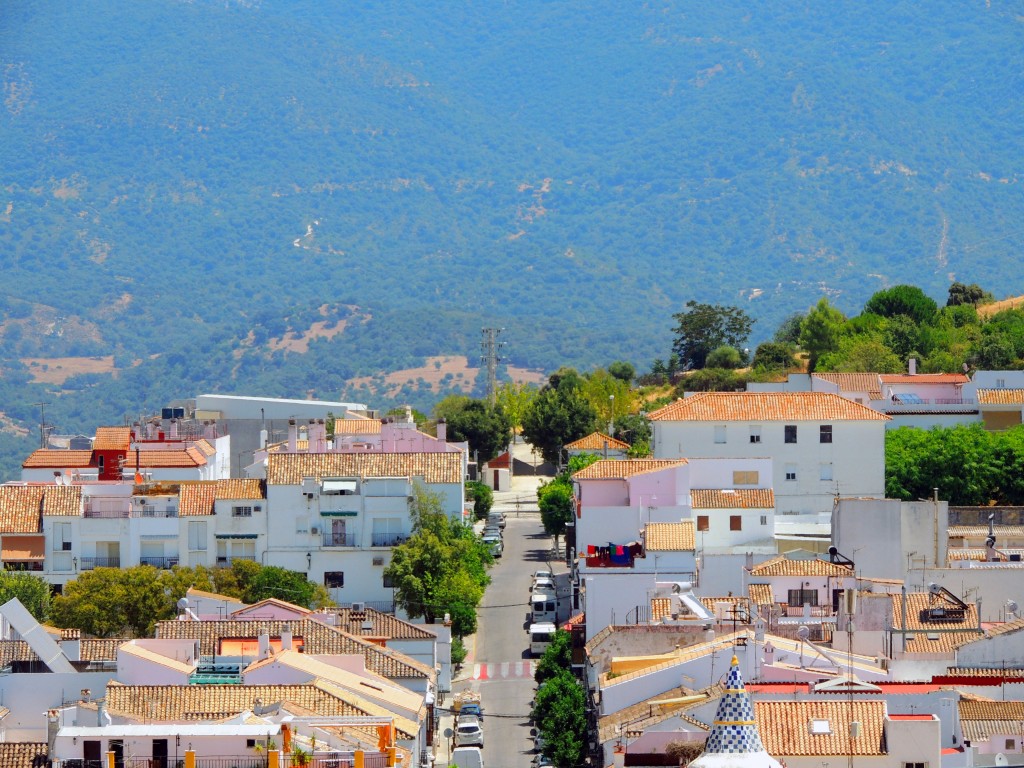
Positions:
{"x": 24, "y": 565}
{"x": 816, "y": 611}
{"x": 148, "y": 510}
{"x": 164, "y": 563}
{"x": 332, "y": 539}
{"x": 225, "y": 562}
{"x": 108, "y": 510}
{"x": 909, "y": 403}
{"x": 389, "y": 539}
{"x": 88, "y": 563}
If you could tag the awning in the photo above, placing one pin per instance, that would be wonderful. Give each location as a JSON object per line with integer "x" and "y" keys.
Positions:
{"x": 236, "y": 535}
{"x": 336, "y": 513}
{"x": 23, "y": 548}
{"x": 338, "y": 486}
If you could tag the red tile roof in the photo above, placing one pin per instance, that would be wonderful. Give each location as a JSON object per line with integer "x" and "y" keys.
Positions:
{"x": 740, "y": 498}
{"x": 1001, "y": 396}
{"x": 854, "y": 382}
{"x": 21, "y": 508}
{"x": 613, "y": 469}
{"x": 48, "y": 458}
{"x": 924, "y": 378}
{"x": 766, "y": 406}
{"x": 112, "y": 438}
{"x": 596, "y": 441}
{"x": 290, "y": 469}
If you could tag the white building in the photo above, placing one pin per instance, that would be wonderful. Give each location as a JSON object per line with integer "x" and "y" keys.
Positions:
{"x": 821, "y": 445}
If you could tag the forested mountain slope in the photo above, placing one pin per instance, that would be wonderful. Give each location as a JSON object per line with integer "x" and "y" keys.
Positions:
{"x": 191, "y": 185}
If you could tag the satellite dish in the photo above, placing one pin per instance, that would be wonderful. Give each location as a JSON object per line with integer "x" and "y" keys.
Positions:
{"x": 833, "y": 551}
{"x": 804, "y": 632}
{"x": 934, "y": 588}
{"x": 183, "y": 604}
{"x": 1011, "y": 606}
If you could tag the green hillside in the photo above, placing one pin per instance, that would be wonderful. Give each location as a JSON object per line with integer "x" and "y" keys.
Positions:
{"x": 185, "y": 184}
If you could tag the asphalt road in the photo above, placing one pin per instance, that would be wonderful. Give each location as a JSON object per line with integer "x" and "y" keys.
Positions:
{"x": 503, "y": 667}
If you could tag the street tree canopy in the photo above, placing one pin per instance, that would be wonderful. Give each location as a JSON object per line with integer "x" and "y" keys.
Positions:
{"x": 486, "y": 429}
{"x": 559, "y": 711}
{"x": 820, "y": 331}
{"x": 558, "y": 415}
{"x": 703, "y": 328}
{"x": 32, "y": 591}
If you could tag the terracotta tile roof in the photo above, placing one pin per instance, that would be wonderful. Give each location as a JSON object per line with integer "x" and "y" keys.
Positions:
{"x": 204, "y": 447}
{"x": 854, "y": 382}
{"x": 785, "y": 727}
{"x": 239, "y": 489}
{"x": 384, "y": 625}
{"x": 981, "y": 531}
{"x": 163, "y": 459}
{"x": 983, "y": 672}
{"x": 932, "y": 636}
{"x": 56, "y": 459}
{"x": 981, "y": 720}
{"x": 633, "y": 720}
{"x": 211, "y": 702}
{"x": 251, "y": 611}
{"x": 742, "y": 603}
{"x": 1005, "y": 627}
{"x": 924, "y": 378}
{"x": 766, "y": 406}
{"x": 1001, "y": 397}
{"x": 196, "y": 499}
{"x": 20, "y": 508}
{"x": 290, "y": 469}
{"x": 596, "y": 441}
{"x": 63, "y": 500}
{"x": 23, "y": 754}
{"x": 673, "y": 537}
{"x": 783, "y": 566}
{"x": 761, "y": 594}
{"x": 112, "y": 438}
{"x": 357, "y": 426}
{"x": 740, "y": 498}
{"x": 91, "y": 649}
{"x": 979, "y": 554}
{"x": 660, "y": 608}
{"x": 317, "y": 638}
{"x": 610, "y": 469}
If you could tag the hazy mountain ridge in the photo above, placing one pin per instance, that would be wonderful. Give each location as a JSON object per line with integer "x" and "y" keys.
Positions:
{"x": 194, "y": 180}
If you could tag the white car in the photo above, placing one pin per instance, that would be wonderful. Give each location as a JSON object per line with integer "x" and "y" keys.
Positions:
{"x": 468, "y": 733}
{"x": 541, "y": 574}
{"x": 544, "y": 584}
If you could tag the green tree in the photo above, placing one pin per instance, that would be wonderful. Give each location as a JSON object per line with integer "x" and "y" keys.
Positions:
{"x": 290, "y": 586}
{"x": 906, "y": 300}
{"x": 820, "y": 331}
{"x": 774, "y": 356}
{"x": 514, "y": 400}
{"x": 559, "y": 711}
{"x": 32, "y": 591}
{"x": 711, "y": 380}
{"x": 556, "y": 659}
{"x": 486, "y": 429}
{"x": 704, "y": 327}
{"x": 622, "y": 371}
{"x": 960, "y": 461}
{"x": 860, "y": 355}
{"x": 972, "y": 294}
{"x": 789, "y": 331}
{"x": 725, "y": 357}
{"x": 555, "y": 500}
{"x": 558, "y": 415}
{"x": 112, "y": 602}
{"x": 607, "y": 395}
{"x": 633, "y": 428}
{"x": 481, "y": 496}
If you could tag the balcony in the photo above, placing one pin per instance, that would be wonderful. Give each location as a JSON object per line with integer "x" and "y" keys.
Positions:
{"x": 225, "y": 562}
{"x": 108, "y": 509}
{"x": 149, "y": 510}
{"x": 389, "y": 539}
{"x": 163, "y": 563}
{"x": 812, "y": 611}
{"x": 88, "y": 563}
{"x": 332, "y": 539}
{"x": 24, "y": 565}
{"x": 904, "y": 403}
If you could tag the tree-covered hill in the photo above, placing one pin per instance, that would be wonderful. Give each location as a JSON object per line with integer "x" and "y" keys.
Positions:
{"x": 186, "y": 183}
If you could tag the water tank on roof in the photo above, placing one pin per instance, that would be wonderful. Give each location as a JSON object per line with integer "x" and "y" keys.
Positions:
{"x": 179, "y": 413}
{"x": 166, "y": 413}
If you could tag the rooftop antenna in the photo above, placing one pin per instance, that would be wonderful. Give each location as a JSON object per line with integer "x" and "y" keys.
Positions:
{"x": 490, "y": 346}
{"x": 43, "y": 426}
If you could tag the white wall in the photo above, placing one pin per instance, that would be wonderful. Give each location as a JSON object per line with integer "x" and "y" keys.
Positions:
{"x": 884, "y": 536}
{"x": 30, "y": 695}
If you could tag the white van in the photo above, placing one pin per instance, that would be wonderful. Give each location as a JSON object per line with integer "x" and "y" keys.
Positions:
{"x": 541, "y": 636}
{"x": 467, "y": 757}
{"x": 543, "y": 607}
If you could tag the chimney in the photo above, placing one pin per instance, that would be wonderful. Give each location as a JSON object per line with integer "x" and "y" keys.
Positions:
{"x": 321, "y": 436}
{"x": 293, "y": 435}
{"x": 442, "y": 430}
{"x": 174, "y": 429}
{"x": 263, "y": 644}
{"x": 286, "y": 639}
{"x": 619, "y": 756}
{"x": 52, "y": 726}
{"x": 912, "y": 366}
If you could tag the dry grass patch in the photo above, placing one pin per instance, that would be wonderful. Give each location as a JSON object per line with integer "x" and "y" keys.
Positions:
{"x": 57, "y": 370}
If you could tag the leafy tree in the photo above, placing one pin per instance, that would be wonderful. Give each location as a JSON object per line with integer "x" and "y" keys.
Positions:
{"x": 291, "y": 586}
{"x": 641, "y": 449}
{"x": 789, "y": 330}
{"x": 559, "y": 711}
{"x": 514, "y": 400}
{"x": 704, "y": 327}
{"x": 555, "y": 500}
{"x": 906, "y": 300}
{"x": 486, "y": 429}
{"x": 774, "y": 356}
{"x": 903, "y": 336}
{"x": 482, "y": 497}
{"x": 820, "y": 331}
{"x": 32, "y": 591}
{"x": 711, "y": 380}
{"x": 725, "y": 357}
{"x": 622, "y": 371}
{"x": 558, "y": 415}
{"x": 111, "y": 602}
{"x": 973, "y": 294}
{"x": 556, "y": 659}
{"x": 960, "y": 461}
{"x": 861, "y": 355}
{"x": 607, "y": 395}
{"x": 995, "y": 353}
{"x": 633, "y": 428}
{"x": 576, "y": 463}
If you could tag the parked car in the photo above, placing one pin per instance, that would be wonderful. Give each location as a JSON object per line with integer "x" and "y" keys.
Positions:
{"x": 467, "y": 757}
{"x": 496, "y": 518}
{"x": 468, "y": 733}
{"x": 494, "y": 542}
{"x": 543, "y": 584}
{"x": 492, "y": 530}
{"x": 541, "y": 762}
{"x": 472, "y": 708}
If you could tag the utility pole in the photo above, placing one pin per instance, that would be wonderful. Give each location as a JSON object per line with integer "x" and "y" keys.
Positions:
{"x": 490, "y": 346}
{"x": 42, "y": 424}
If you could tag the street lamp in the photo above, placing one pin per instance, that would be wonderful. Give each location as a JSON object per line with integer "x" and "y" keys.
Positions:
{"x": 309, "y": 561}
{"x": 611, "y": 414}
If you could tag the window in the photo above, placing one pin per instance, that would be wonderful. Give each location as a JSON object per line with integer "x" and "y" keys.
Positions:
{"x": 915, "y": 765}
{"x": 1011, "y": 745}
{"x": 241, "y": 511}
{"x": 790, "y": 433}
{"x": 197, "y": 536}
{"x": 99, "y": 463}
{"x": 62, "y": 537}
{"x": 798, "y": 597}
{"x": 764, "y": 519}
{"x": 735, "y": 523}
{"x": 302, "y": 525}
{"x": 720, "y": 433}
{"x": 1000, "y": 384}
{"x": 703, "y": 523}
{"x": 826, "y": 472}
{"x": 755, "y": 433}
{"x": 388, "y": 582}
{"x": 745, "y": 477}
{"x": 334, "y": 579}
{"x": 824, "y": 433}
{"x": 791, "y": 471}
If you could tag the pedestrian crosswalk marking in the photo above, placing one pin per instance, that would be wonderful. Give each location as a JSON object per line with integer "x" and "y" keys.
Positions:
{"x": 503, "y": 670}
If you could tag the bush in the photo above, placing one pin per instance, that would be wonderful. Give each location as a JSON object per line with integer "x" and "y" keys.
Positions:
{"x": 459, "y": 651}
{"x": 482, "y": 498}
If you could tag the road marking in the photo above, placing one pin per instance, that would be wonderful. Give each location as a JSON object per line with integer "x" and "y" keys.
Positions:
{"x": 503, "y": 670}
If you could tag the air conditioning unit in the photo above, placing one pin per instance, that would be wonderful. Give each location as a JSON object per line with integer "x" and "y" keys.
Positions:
{"x": 358, "y": 606}
{"x": 257, "y": 508}
{"x": 378, "y": 561}
{"x": 314, "y": 530}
